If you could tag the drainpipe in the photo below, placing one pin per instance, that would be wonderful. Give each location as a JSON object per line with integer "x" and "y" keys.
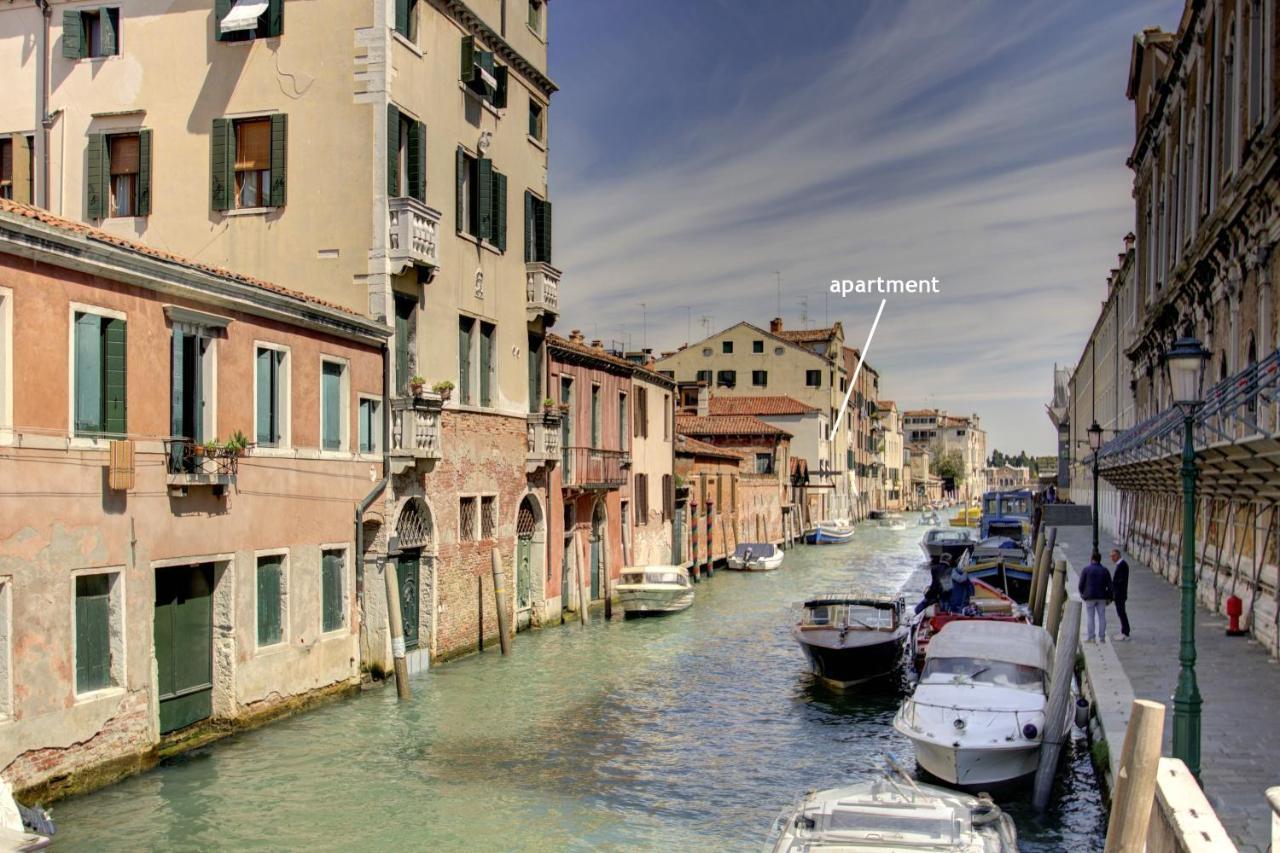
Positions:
{"x": 42, "y": 103}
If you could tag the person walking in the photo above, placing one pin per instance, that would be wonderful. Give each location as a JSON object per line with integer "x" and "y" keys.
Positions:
{"x": 1095, "y": 589}
{"x": 1120, "y": 591}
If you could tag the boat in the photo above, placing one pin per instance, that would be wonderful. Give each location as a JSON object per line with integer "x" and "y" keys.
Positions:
{"x": 755, "y": 557}
{"x": 654, "y": 590}
{"x": 970, "y": 516}
{"x": 893, "y": 521}
{"x": 978, "y": 712}
{"x": 875, "y": 514}
{"x": 1011, "y": 578}
{"x": 22, "y": 828}
{"x": 1007, "y": 513}
{"x": 929, "y": 517}
{"x": 1007, "y": 548}
{"x": 830, "y": 533}
{"x": 891, "y": 813}
{"x": 850, "y": 638}
{"x": 988, "y": 603}
{"x": 947, "y": 542}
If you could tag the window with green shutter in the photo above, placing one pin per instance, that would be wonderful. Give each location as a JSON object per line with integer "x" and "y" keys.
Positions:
{"x": 332, "y": 380}
{"x": 91, "y": 33}
{"x": 333, "y": 606}
{"x": 99, "y": 375}
{"x": 249, "y": 162}
{"x": 406, "y": 23}
{"x": 499, "y": 236}
{"x": 370, "y": 417}
{"x": 245, "y": 20}
{"x": 406, "y": 150}
{"x": 484, "y": 199}
{"x": 537, "y": 228}
{"x": 270, "y": 602}
{"x": 93, "y": 631}
{"x": 595, "y": 415}
{"x": 483, "y": 76}
{"x": 270, "y": 395}
{"x": 466, "y": 331}
{"x": 488, "y": 334}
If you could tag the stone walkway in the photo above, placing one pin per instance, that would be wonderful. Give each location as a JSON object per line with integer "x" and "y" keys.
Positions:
{"x": 1240, "y": 685}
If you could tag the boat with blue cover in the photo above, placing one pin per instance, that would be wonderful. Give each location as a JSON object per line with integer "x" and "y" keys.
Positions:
{"x": 830, "y": 533}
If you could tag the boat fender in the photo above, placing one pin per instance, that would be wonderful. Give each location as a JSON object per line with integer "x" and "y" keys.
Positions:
{"x": 1082, "y": 713}
{"x": 986, "y": 811}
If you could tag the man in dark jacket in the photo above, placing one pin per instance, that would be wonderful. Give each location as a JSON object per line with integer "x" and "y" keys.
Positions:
{"x": 1120, "y": 589}
{"x": 1095, "y": 589}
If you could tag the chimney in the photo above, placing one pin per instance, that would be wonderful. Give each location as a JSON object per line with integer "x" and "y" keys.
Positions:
{"x": 704, "y": 401}
{"x": 595, "y": 345}
{"x": 775, "y": 325}
{"x": 576, "y": 336}
{"x": 1128, "y": 241}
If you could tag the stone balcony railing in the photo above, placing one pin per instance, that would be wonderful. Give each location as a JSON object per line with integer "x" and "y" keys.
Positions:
{"x": 543, "y": 440}
{"x": 413, "y": 229}
{"x": 415, "y": 432}
{"x": 542, "y": 291}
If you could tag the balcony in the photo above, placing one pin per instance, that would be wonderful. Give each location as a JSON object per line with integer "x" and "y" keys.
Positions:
{"x": 190, "y": 463}
{"x": 415, "y": 432}
{"x": 544, "y": 440}
{"x": 593, "y": 468}
{"x": 542, "y": 291}
{"x": 412, "y": 234}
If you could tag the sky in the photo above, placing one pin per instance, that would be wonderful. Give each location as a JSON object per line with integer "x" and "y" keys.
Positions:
{"x": 700, "y": 146}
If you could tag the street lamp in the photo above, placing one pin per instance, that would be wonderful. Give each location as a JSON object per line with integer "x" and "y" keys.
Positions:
{"x": 1095, "y": 442}
{"x": 1185, "y": 371}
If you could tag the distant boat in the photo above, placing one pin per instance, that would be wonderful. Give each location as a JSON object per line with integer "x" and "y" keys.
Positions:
{"x": 946, "y": 541}
{"x": 893, "y": 521}
{"x": 852, "y": 638}
{"x": 755, "y": 557}
{"x": 654, "y": 590}
{"x": 830, "y": 533}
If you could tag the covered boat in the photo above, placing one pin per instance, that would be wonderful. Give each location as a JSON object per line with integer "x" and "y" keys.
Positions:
{"x": 894, "y": 814}
{"x": 950, "y": 542}
{"x": 978, "y": 713}
{"x": 654, "y": 590}
{"x": 849, "y": 638}
{"x": 987, "y": 603}
{"x": 830, "y": 533}
{"x": 755, "y": 557}
{"x": 1010, "y": 577}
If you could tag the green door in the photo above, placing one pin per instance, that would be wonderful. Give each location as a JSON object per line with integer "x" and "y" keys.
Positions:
{"x": 407, "y": 566}
{"x": 677, "y": 538}
{"x": 184, "y": 645}
{"x": 524, "y": 565}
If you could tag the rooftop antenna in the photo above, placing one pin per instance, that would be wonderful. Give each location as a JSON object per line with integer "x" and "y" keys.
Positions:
{"x": 804, "y": 311}
{"x": 705, "y": 319}
{"x": 644, "y": 325}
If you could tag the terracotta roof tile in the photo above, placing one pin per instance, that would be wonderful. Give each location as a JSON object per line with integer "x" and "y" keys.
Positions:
{"x": 685, "y": 444}
{"x": 807, "y": 336}
{"x": 775, "y": 405}
{"x": 726, "y": 425}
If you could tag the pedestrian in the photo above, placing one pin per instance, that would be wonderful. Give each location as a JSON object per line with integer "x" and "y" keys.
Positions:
{"x": 1120, "y": 591}
{"x": 961, "y": 590}
{"x": 1095, "y": 589}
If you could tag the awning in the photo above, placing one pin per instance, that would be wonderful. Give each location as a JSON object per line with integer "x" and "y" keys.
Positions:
{"x": 244, "y": 15}
{"x": 1012, "y": 642}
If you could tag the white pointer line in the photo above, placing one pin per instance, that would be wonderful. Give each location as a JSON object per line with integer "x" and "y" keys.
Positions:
{"x": 852, "y": 381}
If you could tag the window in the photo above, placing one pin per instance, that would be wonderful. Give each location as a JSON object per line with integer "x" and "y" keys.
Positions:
{"x": 406, "y": 161}
{"x": 537, "y": 229}
{"x": 191, "y": 391}
{"x": 757, "y": 346}
{"x": 333, "y": 405}
{"x": 99, "y": 631}
{"x": 726, "y": 378}
{"x": 481, "y": 203}
{"x": 641, "y": 499}
{"x": 6, "y": 168}
{"x": 778, "y": 350}
{"x": 595, "y": 415}
{"x": 123, "y": 157}
{"x": 813, "y": 378}
{"x": 467, "y": 511}
{"x": 407, "y": 19}
{"x": 100, "y": 375}
{"x": 249, "y": 162}
{"x": 488, "y": 333}
{"x": 622, "y": 421}
{"x": 764, "y": 463}
{"x": 271, "y": 603}
{"x": 333, "y": 599}
{"x": 488, "y": 517}
{"x": 17, "y": 167}
{"x": 118, "y": 174}
{"x": 245, "y": 20}
{"x": 481, "y": 75}
{"x": 666, "y": 417}
{"x": 271, "y": 396}
{"x": 466, "y": 332}
{"x": 406, "y": 308}
{"x": 726, "y": 347}
{"x": 1256, "y": 66}
{"x": 760, "y": 378}
{"x": 1228, "y": 104}
{"x": 536, "y": 126}
{"x": 668, "y": 497}
{"x": 370, "y": 416}
{"x": 91, "y": 33}
{"x": 535, "y": 16}
{"x": 642, "y": 413}
{"x": 704, "y": 376}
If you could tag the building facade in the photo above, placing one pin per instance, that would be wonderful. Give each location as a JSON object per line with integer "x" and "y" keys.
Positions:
{"x": 945, "y": 433}
{"x": 893, "y": 467}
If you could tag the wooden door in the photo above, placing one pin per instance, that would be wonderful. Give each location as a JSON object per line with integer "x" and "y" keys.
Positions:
{"x": 184, "y": 644}
{"x": 408, "y": 566}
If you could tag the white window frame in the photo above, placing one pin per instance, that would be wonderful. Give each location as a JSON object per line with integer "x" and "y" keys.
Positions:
{"x": 209, "y": 375}
{"x": 284, "y": 447}
{"x": 345, "y": 549}
{"x": 377, "y": 432}
{"x": 285, "y": 585}
{"x": 116, "y": 633}
{"x": 6, "y": 648}
{"x": 84, "y": 442}
{"x": 344, "y": 406}
{"x": 541, "y": 31}
{"x": 6, "y": 367}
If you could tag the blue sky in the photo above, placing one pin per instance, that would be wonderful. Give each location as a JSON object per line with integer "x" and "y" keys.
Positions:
{"x": 699, "y": 146}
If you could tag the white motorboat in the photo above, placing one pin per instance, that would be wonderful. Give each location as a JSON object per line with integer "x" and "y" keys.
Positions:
{"x": 755, "y": 557}
{"x": 836, "y": 532}
{"x": 22, "y": 828}
{"x": 893, "y": 521}
{"x": 978, "y": 713}
{"x": 654, "y": 590}
{"x": 850, "y": 638}
{"x": 894, "y": 814}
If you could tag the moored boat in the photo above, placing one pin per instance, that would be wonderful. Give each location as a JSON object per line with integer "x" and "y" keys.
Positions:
{"x": 850, "y": 638}
{"x": 978, "y": 713}
{"x": 654, "y": 590}
{"x": 946, "y": 541}
{"x": 22, "y": 828}
{"x": 830, "y": 533}
{"x": 988, "y": 603}
{"x": 755, "y": 557}
{"x": 893, "y": 521}
{"x": 1011, "y": 578}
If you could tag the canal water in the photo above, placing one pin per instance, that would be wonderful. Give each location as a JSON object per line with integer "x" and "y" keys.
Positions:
{"x": 690, "y": 732}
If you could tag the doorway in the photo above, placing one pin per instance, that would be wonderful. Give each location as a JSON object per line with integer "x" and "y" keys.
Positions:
{"x": 184, "y": 645}
{"x": 598, "y": 567}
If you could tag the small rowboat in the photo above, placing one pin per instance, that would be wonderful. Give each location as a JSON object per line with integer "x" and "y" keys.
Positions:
{"x": 755, "y": 557}
{"x": 830, "y": 533}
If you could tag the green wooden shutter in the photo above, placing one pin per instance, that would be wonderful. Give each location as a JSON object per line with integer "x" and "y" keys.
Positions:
{"x": 220, "y": 10}
{"x": 177, "y": 424}
{"x": 595, "y": 415}
{"x": 272, "y": 23}
{"x": 544, "y": 231}
{"x": 88, "y": 374}
{"x": 144, "y": 173}
{"x": 535, "y": 373}
{"x": 331, "y": 405}
{"x": 459, "y": 206}
{"x": 93, "y": 632}
{"x": 528, "y": 226}
{"x": 221, "y": 164}
{"x": 393, "y": 151}
{"x": 484, "y": 59}
{"x": 500, "y": 91}
{"x": 500, "y": 211}
{"x": 115, "y": 383}
{"x": 266, "y": 397}
{"x": 332, "y": 605}
{"x": 484, "y": 198}
{"x": 486, "y": 363}
{"x": 404, "y": 311}
{"x": 279, "y": 158}
{"x": 468, "y": 71}
{"x": 96, "y": 176}
{"x": 269, "y": 587}
{"x": 465, "y": 325}
{"x": 402, "y": 17}
{"x": 417, "y": 161}
{"x": 108, "y": 20}
{"x": 74, "y": 44}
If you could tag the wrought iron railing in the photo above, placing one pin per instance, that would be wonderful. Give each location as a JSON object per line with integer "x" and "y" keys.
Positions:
{"x": 185, "y": 456}
{"x": 1235, "y": 408}
{"x": 593, "y": 468}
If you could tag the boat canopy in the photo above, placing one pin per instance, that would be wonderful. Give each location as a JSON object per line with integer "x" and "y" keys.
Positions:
{"x": 1012, "y": 642}
{"x": 757, "y": 549}
{"x": 877, "y": 601}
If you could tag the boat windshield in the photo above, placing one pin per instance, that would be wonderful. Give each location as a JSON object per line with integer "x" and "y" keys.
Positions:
{"x": 666, "y": 577}
{"x": 636, "y": 578}
{"x": 850, "y": 615}
{"x": 1015, "y": 505}
{"x": 1000, "y": 673}
{"x": 928, "y": 829}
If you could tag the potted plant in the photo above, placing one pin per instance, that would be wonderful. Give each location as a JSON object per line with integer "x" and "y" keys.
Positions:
{"x": 416, "y": 384}
{"x": 444, "y": 388}
{"x": 548, "y": 405}
{"x": 237, "y": 444}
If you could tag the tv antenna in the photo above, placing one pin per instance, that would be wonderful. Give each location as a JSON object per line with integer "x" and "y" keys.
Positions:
{"x": 804, "y": 311}
{"x": 705, "y": 320}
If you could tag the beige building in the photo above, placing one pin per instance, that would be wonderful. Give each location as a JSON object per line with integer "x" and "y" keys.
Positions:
{"x": 895, "y": 472}
{"x": 944, "y": 432}
{"x": 1005, "y": 477}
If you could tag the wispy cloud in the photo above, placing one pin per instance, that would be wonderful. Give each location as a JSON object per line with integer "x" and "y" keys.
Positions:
{"x": 982, "y": 143}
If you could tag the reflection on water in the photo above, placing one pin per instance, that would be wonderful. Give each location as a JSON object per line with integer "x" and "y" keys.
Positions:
{"x": 691, "y": 732}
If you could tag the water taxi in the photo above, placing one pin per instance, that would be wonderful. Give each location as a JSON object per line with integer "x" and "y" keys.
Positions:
{"x": 850, "y": 638}
{"x": 654, "y": 590}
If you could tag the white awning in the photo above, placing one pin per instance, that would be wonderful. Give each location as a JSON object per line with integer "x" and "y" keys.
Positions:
{"x": 244, "y": 15}
{"x": 1012, "y": 642}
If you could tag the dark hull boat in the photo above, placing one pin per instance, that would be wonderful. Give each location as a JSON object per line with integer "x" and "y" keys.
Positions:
{"x": 950, "y": 542}
{"x": 1013, "y": 579}
{"x": 850, "y": 639}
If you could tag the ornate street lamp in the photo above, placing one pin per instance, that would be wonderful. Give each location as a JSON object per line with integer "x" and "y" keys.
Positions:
{"x": 1095, "y": 443}
{"x": 1185, "y": 371}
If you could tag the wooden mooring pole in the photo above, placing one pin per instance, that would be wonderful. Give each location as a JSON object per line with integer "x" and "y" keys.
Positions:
{"x": 1058, "y": 598}
{"x": 1040, "y": 590}
{"x": 1055, "y": 721}
{"x": 1136, "y": 779}
{"x": 500, "y": 602}
{"x": 395, "y": 625}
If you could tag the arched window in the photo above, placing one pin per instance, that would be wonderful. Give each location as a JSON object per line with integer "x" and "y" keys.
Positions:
{"x": 1229, "y": 100}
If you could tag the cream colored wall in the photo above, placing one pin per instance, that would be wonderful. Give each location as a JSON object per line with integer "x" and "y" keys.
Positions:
{"x": 652, "y": 455}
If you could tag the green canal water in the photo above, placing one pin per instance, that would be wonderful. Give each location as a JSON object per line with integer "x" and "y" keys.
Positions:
{"x": 688, "y": 732}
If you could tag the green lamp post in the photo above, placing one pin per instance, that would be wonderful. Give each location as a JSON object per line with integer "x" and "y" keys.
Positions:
{"x": 1185, "y": 364}
{"x": 1095, "y": 444}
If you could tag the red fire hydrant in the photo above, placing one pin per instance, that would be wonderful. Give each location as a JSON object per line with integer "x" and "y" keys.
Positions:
{"x": 1235, "y": 607}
